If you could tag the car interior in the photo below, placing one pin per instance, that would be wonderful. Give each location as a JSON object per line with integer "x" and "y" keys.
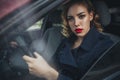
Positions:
{"x": 13, "y": 66}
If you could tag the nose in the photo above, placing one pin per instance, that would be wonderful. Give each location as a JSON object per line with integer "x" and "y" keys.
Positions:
{"x": 76, "y": 22}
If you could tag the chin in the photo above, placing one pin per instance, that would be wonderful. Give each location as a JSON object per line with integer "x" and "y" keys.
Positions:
{"x": 80, "y": 35}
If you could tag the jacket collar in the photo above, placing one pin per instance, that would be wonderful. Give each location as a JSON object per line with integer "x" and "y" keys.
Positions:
{"x": 90, "y": 39}
{"x": 66, "y": 56}
{"x": 88, "y": 43}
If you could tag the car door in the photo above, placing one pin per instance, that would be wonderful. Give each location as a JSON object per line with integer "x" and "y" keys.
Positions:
{"x": 107, "y": 67}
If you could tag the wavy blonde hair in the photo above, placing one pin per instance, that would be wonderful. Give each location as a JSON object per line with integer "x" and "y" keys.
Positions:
{"x": 66, "y": 31}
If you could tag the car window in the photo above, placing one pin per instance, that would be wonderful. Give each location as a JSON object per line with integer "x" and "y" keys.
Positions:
{"x": 37, "y": 25}
{"x": 18, "y": 29}
{"x": 31, "y": 11}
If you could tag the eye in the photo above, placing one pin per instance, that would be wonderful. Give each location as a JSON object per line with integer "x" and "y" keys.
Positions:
{"x": 81, "y": 16}
{"x": 70, "y": 18}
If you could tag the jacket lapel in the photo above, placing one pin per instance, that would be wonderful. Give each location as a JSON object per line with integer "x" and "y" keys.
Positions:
{"x": 66, "y": 56}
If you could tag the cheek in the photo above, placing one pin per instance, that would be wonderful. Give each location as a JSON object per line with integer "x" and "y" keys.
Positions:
{"x": 86, "y": 25}
{"x": 71, "y": 25}
{"x": 87, "y": 29}
{"x": 87, "y": 22}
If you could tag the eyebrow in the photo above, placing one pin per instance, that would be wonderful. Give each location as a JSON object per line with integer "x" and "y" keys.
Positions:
{"x": 77, "y": 14}
{"x": 80, "y": 13}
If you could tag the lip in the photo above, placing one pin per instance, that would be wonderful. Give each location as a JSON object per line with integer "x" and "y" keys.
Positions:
{"x": 78, "y": 30}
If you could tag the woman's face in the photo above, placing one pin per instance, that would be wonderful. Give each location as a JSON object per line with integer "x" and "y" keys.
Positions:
{"x": 79, "y": 19}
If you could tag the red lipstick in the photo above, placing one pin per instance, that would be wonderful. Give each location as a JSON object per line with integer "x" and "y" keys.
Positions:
{"x": 79, "y": 30}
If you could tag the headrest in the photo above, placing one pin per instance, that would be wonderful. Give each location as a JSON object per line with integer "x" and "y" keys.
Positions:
{"x": 55, "y": 16}
{"x": 103, "y": 11}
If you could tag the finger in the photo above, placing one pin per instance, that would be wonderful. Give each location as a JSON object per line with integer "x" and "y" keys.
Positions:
{"x": 37, "y": 54}
{"x": 27, "y": 58}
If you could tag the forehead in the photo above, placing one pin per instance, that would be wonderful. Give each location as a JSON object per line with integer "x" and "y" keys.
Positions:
{"x": 76, "y": 9}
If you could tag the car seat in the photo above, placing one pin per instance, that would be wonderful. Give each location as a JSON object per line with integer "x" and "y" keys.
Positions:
{"x": 53, "y": 19}
{"x": 105, "y": 17}
{"x": 51, "y": 28}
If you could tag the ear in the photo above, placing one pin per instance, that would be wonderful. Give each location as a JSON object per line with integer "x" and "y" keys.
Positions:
{"x": 91, "y": 16}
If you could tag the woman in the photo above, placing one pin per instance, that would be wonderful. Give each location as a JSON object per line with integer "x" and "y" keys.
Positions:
{"x": 83, "y": 44}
